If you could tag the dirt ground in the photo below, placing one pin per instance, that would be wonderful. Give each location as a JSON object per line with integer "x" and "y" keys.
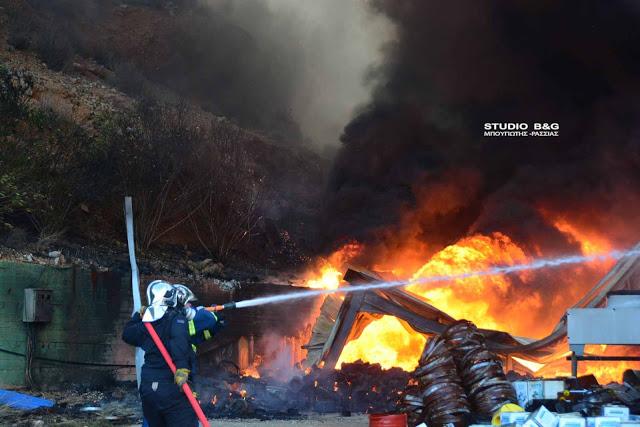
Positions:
{"x": 312, "y": 421}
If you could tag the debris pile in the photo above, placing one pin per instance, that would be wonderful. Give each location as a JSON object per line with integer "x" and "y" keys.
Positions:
{"x": 117, "y": 406}
{"x": 357, "y": 387}
{"x": 573, "y": 402}
{"x": 582, "y": 395}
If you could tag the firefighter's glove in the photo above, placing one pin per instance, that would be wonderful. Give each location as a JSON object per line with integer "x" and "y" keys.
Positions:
{"x": 181, "y": 376}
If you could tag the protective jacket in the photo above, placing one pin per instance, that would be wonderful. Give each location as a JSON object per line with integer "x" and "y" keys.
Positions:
{"x": 204, "y": 326}
{"x": 173, "y": 331}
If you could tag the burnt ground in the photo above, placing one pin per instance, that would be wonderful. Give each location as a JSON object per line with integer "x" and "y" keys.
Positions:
{"x": 322, "y": 398}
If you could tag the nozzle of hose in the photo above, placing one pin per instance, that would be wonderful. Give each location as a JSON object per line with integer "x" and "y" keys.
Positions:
{"x": 227, "y": 306}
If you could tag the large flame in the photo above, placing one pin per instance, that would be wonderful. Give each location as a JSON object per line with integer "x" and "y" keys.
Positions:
{"x": 590, "y": 242}
{"x": 471, "y": 298}
{"x": 517, "y": 303}
{"x": 605, "y": 372}
{"x": 387, "y": 342}
{"x": 327, "y": 272}
{"x": 468, "y": 298}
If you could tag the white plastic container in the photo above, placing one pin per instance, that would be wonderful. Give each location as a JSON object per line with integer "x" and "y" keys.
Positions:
{"x": 551, "y": 388}
{"x": 572, "y": 422}
{"x": 517, "y": 418}
{"x": 544, "y": 418}
{"x": 618, "y": 411}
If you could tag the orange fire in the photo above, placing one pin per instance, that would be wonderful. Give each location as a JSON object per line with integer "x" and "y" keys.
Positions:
{"x": 252, "y": 371}
{"x": 387, "y": 342}
{"x": 327, "y": 273}
{"x": 590, "y": 242}
{"x": 605, "y": 372}
{"x": 517, "y": 303}
{"x": 472, "y": 298}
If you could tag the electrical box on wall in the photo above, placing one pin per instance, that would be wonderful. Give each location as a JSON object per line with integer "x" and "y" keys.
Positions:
{"x": 38, "y": 305}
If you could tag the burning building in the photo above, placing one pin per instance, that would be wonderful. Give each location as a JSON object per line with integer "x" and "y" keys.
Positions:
{"x": 417, "y": 190}
{"x": 389, "y": 326}
{"x": 420, "y": 190}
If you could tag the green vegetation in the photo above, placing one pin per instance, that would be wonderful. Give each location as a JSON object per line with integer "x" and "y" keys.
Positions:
{"x": 43, "y": 160}
{"x": 11, "y": 198}
{"x": 183, "y": 179}
{"x": 13, "y": 93}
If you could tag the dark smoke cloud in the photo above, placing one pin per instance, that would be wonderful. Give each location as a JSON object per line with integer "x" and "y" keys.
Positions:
{"x": 273, "y": 62}
{"x": 456, "y": 65}
{"x": 292, "y": 70}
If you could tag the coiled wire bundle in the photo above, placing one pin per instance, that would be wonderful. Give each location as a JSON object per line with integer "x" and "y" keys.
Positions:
{"x": 456, "y": 373}
{"x": 480, "y": 369}
{"x": 411, "y": 403}
{"x": 443, "y": 396}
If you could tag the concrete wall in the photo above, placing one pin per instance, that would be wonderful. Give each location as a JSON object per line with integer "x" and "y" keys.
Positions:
{"x": 90, "y": 309}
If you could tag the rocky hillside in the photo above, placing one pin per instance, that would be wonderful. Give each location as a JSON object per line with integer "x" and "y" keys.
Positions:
{"x": 78, "y": 133}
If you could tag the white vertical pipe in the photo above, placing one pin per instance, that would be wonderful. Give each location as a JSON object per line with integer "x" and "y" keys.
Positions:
{"x": 135, "y": 278}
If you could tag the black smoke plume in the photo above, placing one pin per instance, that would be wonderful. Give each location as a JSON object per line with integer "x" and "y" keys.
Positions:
{"x": 455, "y": 66}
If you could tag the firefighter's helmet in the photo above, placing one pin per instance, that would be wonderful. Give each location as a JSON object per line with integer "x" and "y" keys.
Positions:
{"x": 185, "y": 295}
{"x": 160, "y": 296}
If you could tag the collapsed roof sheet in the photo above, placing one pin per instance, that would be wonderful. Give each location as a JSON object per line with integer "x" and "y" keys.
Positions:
{"x": 343, "y": 320}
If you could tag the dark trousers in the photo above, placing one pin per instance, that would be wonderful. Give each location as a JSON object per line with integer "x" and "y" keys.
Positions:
{"x": 165, "y": 405}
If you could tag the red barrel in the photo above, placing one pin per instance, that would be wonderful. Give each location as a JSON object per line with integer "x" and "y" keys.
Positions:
{"x": 388, "y": 420}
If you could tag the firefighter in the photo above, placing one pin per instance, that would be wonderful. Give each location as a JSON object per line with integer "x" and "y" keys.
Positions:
{"x": 202, "y": 324}
{"x": 163, "y": 402}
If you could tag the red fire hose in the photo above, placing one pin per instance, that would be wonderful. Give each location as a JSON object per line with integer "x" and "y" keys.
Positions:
{"x": 185, "y": 387}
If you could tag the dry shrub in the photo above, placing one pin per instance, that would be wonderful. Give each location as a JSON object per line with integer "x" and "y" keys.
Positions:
{"x": 230, "y": 191}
